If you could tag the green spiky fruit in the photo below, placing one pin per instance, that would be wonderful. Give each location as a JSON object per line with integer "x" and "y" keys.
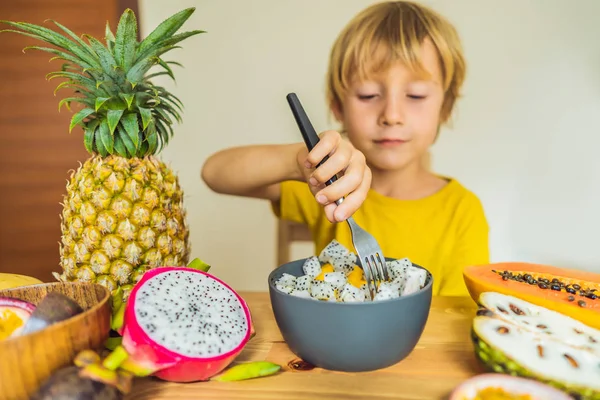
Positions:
{"x": 514, "y": 337}
{"x": 123, "y": 209}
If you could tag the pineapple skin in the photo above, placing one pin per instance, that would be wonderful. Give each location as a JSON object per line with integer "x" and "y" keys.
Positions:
{"x": 121, "y": 217}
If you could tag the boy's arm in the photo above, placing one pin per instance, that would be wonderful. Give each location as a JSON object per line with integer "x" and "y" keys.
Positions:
{"x": 253, "y": 171}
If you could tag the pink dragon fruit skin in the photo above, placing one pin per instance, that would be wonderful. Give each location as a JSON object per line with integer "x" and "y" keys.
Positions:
{"x": 151, "y": 358}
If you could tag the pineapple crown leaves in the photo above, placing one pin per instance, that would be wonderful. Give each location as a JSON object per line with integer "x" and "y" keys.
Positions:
{"x": 124, "y": 112}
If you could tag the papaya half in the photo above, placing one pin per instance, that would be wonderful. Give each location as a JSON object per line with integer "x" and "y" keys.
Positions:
{"x": 568, "y": 291}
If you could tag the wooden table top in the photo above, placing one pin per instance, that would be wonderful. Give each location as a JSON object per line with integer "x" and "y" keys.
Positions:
{"x": 442, "y": 359}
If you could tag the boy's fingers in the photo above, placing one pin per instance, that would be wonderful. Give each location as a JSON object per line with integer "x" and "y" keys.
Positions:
{"x": 336, "y": 163}
{"x": 327, "y": 144}
{"x": 329, "y": 210}
{"x": 349, "y": 182}
{"x": 353, "y": 201}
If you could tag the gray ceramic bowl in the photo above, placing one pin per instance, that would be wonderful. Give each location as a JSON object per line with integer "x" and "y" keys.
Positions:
{"x": 349, "y": 337}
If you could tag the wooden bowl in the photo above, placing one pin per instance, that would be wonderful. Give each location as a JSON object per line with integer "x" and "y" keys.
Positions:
{"x": 27, "y": 361}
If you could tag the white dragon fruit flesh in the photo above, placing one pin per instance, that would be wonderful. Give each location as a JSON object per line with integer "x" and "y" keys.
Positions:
{"x": 321, "y": 290}
{"x": 345, "y": 283}
{"x": 183, "y": 325}
{"x": 351, "y": 294}
{"x": 387, "y": 290}
{"x": 312, "y": 266}
{"x": 336, "y": 279}
{"x": 335, "y": 250}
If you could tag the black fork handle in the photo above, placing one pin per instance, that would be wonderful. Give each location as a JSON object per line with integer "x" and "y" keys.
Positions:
{"x": 306, "y": 128}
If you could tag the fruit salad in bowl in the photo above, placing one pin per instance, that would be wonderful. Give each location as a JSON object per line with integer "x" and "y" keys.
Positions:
{"x": 326, "y": 316}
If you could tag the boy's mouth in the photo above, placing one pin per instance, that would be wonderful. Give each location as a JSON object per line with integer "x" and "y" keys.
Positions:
{"x": 389, "y": 142}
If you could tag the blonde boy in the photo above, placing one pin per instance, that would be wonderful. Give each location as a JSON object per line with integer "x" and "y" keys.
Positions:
{"x": 395, "y": 73}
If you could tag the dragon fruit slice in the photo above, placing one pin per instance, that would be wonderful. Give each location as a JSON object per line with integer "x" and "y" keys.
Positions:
{"x": 414, "y": 280}
{"x": 541, "y": 320}
{"x": 387, "y": 290}
{"x": 351, "y": 294}
{"x": 507, "y": 348}
{"x": 301, "y": 293}
{"x": 335, "y": 250}
{"x": 336, "y": 279}
{"x": 321, "y": 290}
{"x": 183, "y": 325}
{"x": 303, "y": 282}
{"x": 345, "y": 263}
{"x": 312, "y": 266}
{"x": 398, "y": 268}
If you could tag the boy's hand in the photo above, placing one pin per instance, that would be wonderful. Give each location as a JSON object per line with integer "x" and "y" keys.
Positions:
{"x": 354, "y": 179}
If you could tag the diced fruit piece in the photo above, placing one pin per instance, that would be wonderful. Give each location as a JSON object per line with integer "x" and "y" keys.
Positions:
{"x": 312, "y": 266}
{"x": 14, "y": 313}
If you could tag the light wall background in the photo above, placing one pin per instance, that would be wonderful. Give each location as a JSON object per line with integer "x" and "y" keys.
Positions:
{"x": 525, "y": 139}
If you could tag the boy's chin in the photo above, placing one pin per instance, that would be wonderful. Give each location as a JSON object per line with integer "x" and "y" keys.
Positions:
{"x": 390, "y": 164}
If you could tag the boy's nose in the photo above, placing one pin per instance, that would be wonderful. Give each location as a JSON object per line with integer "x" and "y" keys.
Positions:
{"x": 392, "y": 114}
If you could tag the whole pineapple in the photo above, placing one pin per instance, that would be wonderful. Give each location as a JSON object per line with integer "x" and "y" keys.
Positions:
{"x": 123, "y": 210}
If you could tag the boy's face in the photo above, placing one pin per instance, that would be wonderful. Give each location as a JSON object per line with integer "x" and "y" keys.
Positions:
{"x": 393, "y": 118}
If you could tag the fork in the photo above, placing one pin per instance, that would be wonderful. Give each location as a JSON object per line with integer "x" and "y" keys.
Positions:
{"x": 369, "y": 253}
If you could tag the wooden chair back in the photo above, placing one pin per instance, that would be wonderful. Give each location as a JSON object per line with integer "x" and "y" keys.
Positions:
{"x": 289, "y": 232}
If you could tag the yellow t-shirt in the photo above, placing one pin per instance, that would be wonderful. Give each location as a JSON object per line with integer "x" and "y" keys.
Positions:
{"x": 443, "y": 233}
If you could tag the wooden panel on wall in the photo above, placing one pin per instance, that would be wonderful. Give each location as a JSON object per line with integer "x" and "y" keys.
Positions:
{"x": 36, "y": 150}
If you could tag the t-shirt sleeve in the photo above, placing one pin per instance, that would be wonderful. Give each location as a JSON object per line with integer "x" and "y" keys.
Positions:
{"x": 297, "y": 203}
{"x": 472, "y": 246}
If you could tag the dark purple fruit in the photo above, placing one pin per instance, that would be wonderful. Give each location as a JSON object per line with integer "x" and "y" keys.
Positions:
{"x": 53, "y": 308}
{"x": 67, "y": 384}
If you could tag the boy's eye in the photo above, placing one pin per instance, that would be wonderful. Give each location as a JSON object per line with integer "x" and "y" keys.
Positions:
{"x": 416, "y": 97}
{"x": 366, "y": 96}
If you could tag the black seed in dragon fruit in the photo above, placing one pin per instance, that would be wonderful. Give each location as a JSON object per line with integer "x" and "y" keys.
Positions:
{"x": 312, "y": 266}
{"x": 336, "y": 279}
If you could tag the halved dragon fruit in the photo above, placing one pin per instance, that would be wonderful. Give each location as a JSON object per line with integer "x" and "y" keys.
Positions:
{"x": 183, "y": 325}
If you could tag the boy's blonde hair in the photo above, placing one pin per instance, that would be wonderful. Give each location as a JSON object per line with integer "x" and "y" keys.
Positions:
{"x": 394, "y": 31}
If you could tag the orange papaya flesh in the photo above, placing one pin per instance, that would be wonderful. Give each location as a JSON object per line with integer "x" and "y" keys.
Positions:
{"x": 568, "y": 291}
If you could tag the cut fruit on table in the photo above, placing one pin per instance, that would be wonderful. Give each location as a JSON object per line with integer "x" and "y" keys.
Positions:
{"x": 519, "y": 338}
{"x": 123, "y": 210}
{"x": 181, "y": 324}
{"x": 334, "y": 276}
{"x": 568, "y": 291}
{"x": 505, "y": 387}
{"x": 14, "y": 314}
